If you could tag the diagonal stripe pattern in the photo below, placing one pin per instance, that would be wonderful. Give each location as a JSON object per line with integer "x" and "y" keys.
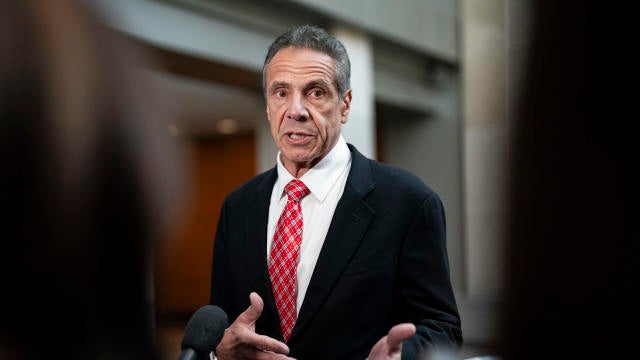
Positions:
{"x": 285, "y": 249}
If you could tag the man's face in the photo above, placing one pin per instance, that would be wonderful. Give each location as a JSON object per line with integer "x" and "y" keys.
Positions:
{"x": 303, "y": 107}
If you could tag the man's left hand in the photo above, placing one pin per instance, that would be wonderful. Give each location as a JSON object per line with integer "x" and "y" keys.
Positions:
{"x": 390, "y": 346}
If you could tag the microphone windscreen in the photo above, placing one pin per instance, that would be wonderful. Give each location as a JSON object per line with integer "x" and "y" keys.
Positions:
{"x": 205, "y": 330}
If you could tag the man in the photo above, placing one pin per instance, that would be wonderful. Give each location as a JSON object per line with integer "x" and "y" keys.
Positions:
{"x": 328, "y": 250}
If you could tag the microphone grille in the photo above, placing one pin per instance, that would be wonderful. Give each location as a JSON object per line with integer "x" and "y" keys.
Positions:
{"x": 205, "y": 330}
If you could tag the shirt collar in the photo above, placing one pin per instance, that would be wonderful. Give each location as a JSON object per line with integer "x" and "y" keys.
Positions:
{"x": 321, "y": 178}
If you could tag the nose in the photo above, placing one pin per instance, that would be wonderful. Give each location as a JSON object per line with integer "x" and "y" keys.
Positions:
{"x": 297, "y": 109}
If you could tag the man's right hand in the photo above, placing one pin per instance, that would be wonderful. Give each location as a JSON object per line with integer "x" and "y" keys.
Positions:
{"x": 240, "y": 340}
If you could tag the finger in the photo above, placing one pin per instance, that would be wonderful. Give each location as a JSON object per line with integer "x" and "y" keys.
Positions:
{"x": 267, "y": 344}
{"x": 254, "y": 310}
{"x": 400, "y": 333}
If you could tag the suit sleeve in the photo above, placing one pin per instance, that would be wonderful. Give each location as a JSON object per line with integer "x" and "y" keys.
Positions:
{"x": 425, "y": 293}
{"x": 220, "y": 290}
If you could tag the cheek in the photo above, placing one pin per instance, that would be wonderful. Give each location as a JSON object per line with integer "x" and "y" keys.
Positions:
{"x": 334, "y": 122}
{"x": 274, "y": 119}
{"x": 324, "y": 120}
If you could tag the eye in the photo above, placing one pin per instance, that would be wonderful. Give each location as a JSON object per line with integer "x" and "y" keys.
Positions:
{"x": 280, "y": 93}
{"x": 316, "y": 93}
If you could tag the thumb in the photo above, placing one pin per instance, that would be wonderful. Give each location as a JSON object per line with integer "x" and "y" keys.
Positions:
{"x": 400, "y": 333}
{"x": 254, "y": 310}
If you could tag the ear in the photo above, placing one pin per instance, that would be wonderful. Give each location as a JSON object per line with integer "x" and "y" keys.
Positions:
{"x": 346, "y": 106}
{"x": 267, "y": 111}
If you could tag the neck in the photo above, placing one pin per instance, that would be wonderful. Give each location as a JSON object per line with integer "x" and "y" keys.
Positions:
{"x": 299, "y": 169}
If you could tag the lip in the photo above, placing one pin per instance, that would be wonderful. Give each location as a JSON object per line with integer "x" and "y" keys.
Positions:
{"x": 297, "y": 138}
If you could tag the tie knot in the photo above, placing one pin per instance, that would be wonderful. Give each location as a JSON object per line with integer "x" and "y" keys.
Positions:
{"x": 296, "y": 190}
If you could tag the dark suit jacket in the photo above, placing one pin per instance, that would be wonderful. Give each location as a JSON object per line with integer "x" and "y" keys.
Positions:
{"x": 384, "y": 261}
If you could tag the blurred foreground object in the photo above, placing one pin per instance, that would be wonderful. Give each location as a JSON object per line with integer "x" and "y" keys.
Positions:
{"x": 573, "y": 237}
{"x": 88, "y": 179}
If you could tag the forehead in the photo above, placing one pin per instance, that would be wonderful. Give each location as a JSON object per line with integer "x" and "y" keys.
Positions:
{"x": 292, "y": 64}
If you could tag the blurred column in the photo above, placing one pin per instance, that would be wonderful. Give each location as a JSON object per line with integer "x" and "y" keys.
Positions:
{"x": 360, "y": 129}
{"x": 493, "y": 42}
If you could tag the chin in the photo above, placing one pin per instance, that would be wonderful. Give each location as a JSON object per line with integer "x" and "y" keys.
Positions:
{"x": 298, "y": 158}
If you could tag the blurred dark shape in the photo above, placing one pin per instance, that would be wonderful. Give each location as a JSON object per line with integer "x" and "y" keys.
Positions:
{"x": 573, "y": 243}
{"x": 87, "y": 177}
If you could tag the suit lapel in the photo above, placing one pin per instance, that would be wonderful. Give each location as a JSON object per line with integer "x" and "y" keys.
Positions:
{"x": 256, "y": 252}
{"x": 348, "y": 226}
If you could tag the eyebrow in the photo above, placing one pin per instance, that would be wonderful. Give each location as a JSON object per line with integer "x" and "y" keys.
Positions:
{"x": 311, "y": 84}
{"x": 279, "y": 84}
{"x": 320, "y": 83}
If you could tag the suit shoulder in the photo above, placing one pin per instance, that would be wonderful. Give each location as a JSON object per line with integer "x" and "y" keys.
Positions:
{"x": 400, "y": 181}
{"x": 252, "y": 187}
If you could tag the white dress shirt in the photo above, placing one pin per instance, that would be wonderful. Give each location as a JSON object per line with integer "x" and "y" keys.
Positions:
{"x": 326, "y": 182}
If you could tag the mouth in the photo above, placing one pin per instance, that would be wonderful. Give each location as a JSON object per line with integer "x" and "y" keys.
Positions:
{"x": 297, "y": 138}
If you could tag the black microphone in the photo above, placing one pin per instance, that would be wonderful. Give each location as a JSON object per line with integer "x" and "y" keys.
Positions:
{"x": 203, "y": 333}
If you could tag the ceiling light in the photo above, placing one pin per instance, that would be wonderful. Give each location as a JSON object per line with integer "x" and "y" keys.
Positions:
{"x": 227, "y": 126}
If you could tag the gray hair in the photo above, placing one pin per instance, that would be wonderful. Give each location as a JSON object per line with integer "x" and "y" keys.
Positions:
{"x": 318, "y": 39}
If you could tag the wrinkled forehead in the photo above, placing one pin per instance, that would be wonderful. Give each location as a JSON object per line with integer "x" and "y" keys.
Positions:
{"x": 300, "y": 63}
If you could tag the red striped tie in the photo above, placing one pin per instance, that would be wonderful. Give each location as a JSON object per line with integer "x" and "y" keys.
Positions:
{"x": 284, "y": 256}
